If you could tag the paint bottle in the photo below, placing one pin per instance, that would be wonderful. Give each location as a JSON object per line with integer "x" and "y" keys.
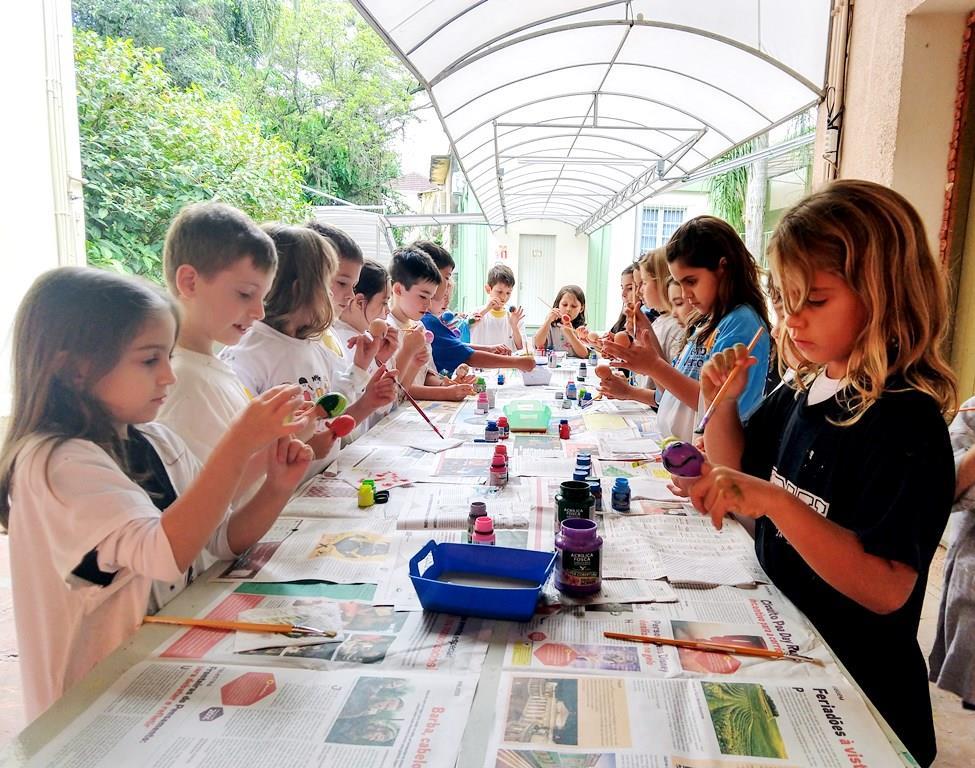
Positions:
{"x": 560, "y": 395}
{"x": 498, "y": 474}
{"x": 584, "y": 461}
{"x": 593, "y": 357}
{"x": 566, "y": 402}
{"x": 367, "y": 495}
{"x": 483, "y": 531}
{"x": 581, "y": 394}
{"x": 621, "y": 495}
{"x": 482, "y": 403}
{"x": 570, "y": 391}
{"x": 578, "y": 561}
{"x": 573, "y": 500}
{"x": 564, "y": 429}
{"x": 580, "y": 475}
{"x": 504, "y": 427}
{"x": 480, "y": 385}
{"x": 596, "y": 489}
{"x": 502, "y": 451}
{"x": 552, "y": 362}
{"x": 490, "y": 396}
{"x": 581, "y": 374}
{"x": 478, "y": 509}
{"x": 491, "y": 432}
{"x": 586, "y": 400}
{"x": 500, "y": 379}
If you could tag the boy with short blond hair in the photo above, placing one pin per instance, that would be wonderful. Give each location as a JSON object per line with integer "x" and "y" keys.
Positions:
{"x": 497, "y": 324}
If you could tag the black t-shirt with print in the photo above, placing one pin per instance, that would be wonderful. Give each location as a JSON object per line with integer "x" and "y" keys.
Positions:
{"x": 890, "y": 479}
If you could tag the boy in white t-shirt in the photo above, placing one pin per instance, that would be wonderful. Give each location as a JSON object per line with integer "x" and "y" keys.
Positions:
{"x": 496, "y": 324}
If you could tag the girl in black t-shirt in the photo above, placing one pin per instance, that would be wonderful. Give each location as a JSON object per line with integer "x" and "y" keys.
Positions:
{"x": 847, "y": 471}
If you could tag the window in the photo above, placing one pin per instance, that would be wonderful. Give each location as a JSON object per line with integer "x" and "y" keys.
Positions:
{"x": 657, "y": 225}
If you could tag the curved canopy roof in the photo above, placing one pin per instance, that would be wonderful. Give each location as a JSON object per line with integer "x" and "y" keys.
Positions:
{"x": 577, "y": 109}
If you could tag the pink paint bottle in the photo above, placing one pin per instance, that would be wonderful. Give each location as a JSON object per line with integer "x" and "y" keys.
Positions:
{"x": 483, "y": 531}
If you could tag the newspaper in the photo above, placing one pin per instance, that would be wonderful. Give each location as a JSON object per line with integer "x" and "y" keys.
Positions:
{"x": 326, "y": 497}
{"x": 374, "y": 636}
{"x": 680, "y": 548}
{"x": 343, "y": 551}
{"x": 640, "y": 722}
{"x": 615, "y": 591}
{"x": 215, "y": 716}
{"x": 574, "y": 641}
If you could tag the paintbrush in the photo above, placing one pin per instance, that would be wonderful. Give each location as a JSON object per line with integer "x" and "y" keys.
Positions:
{"x": 416, "y": 405}
{"x": 239, "y": 626}
{"x": 707, "y": 645}
{"x": 724, "y": 387}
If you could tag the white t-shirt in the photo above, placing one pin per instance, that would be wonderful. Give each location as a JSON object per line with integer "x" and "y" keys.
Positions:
{"x": 206, "y": 397}
{"x": 65, "y": 624}
{"x": 265, "y": 358}
{"x": 421, "y": 375}
{"x": 670, "y": 334}
{"x": 823, "y": 388}
{"x": 345, "y": 370}
{"x": 493, "y": 329}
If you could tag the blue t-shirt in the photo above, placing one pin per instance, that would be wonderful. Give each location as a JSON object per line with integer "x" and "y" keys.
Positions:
{"x": 448, "y": 350}
{"x": 737, "y": 327}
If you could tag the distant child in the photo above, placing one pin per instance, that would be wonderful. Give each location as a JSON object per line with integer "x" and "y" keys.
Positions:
{"x": 495, "y": 325}
{"x": 98, "y": 500}
{"x": 680, "y": 308}
{"x": 416, "y": 281}
{"x": 848, "y": 471}
{"x": 370, "y": 301}
{"x": 654, "y": 274}
{"x": 449, "y": 351}
{"x": 555, "y": 333}
{"x": 287, "y": 347}
{"x": 719, "y": 280}
{"x": 626, "y": 293}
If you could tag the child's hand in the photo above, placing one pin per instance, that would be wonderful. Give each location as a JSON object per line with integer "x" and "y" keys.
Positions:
{"x": 552, "y": 316}
{"x": 380, "y": 391}
{"x": 456, "y": 392}
{"x": 287, "y": 463}
{"x": 500, "y": 349}
{"x": 641, "y": 356}
{"x": 721, "y": 491}
{"x": 716, "y": 371}
{"x": 493, "y": 304}
{"x": 366, "y": 347}
{"x": 523, "y": 363}
{"x": 269, "y": 416}
{"x": 615, "y": 388}
{"x": 516, "y": 317}
{"x": 388, "y": 346}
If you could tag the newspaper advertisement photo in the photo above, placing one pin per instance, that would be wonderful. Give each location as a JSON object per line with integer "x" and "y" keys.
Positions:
{"x": 215, "y": 716}
{"x": 643, "y": 721}
{"x": 323, "y": 550}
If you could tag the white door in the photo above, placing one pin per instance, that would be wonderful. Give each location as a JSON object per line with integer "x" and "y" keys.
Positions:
{"x": 536, "y": 276}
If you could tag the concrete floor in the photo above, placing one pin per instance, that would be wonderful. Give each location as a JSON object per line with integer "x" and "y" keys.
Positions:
{"x": 955, "y": 726}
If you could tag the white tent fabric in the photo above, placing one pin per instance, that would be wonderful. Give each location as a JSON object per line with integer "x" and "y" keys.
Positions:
{"x": 577, "y": 109}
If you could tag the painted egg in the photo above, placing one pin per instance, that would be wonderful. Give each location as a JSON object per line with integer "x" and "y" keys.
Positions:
{"x": 342, "y": 425}
{"x": 603, "y": 371}
{"x": 378, "y": 328}
{"x": 566, "y": 320}
{"x": 622, "y": 338}
{"x": 428, "y": 336}
{"x": 682, "y": 459}
{"x": 333, "y": 403}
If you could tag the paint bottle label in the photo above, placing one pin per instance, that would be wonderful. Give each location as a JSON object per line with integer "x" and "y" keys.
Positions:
{"x": 579, "y": 569}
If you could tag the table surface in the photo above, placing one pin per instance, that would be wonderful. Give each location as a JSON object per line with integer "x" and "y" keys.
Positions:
{"x": 203, "y": 592}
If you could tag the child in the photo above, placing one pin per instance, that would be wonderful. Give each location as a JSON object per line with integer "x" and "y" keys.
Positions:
{"x": 416, "y": 280}
{"x": 719, "y": 280}
{"x": 449, "y": 351}
{"x": 626, "y": 292}
{"x": 654, "y": 274}
{"x": 370, "y": 301}
{"x": 96, "y": 507}
{"x": 952, "y": 658}
{"x": 848, "y": 471}
{"x": 287, "y": 345}
{"x": 558, "y": 335}
{"x": 680, "y": 308}
{"x": 494, "y": 325}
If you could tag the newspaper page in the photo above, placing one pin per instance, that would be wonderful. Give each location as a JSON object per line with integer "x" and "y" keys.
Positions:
{"x": 325, "y": 497}
{"x": 574, "y": 641}
{"x": 342, "y": 551}
{"x": 681, "y": 548}
{"x": 371, "y": 635}
{"x": 641, "y": 722}
{"x": 214, "y": 716}
{"x": 615, "y": 592}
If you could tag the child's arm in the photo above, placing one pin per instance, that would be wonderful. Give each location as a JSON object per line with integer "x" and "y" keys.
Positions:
{"x": 724, "y": 437}
{"x": 578, "y": 348}
{"x": 835, "y": 553}
{"x": 965, "y": 474}
{"x": 616, "y": 388}
{"x": 380, "y": 391}
{"x": 645, "y": 356}
{"x": 190, "y": 520}
{"x": 541, "y": 335}
{"x": 430, "y": 391}
{"x": 481, "y": 359}
{"x": 285, "y": 463}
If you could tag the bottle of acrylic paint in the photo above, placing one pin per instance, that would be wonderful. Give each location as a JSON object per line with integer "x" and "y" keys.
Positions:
{"x": 500, "y": 379}
{"x": 503, "y": 427}
{"x": 584, "y": 461}
{"x": 367, "y": 495}
{"x": 573, "y": 500}
{"x": 491, "y": 432}
{"x": 570, "y": 391}
{"x": 596, "y": 489}
{"x": 483, "y": 531}
{"x": 478, "y": 509}
{"x": 480, "y": 385}
{"x": 593, "y": 357}
{"x": 491, "y": 397}
{"x": 581, "y": 375}
{"x": 498, "y": 474}
{"x": 621, "y": 495}
{"x": 502, "y": 451}
{"x": 566, "y": 402}
{"x": 564, "y": 430}
{"x": 578, "y": 561}
{"x": 482, "y": 405}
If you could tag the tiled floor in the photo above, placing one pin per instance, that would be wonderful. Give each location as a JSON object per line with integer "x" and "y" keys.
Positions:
{"x": 956, "y": 727}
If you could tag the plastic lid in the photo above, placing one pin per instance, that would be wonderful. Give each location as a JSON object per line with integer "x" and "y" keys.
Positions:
{"x": 621, "y": 482}
{"x": 579, "y": 529}
{"x": 492, "y": 424}
{"x": 581, "y": 475}
{"x": 501, "y": 450}
{"x": 502, "y": 422}
{"x": 484, "y": 525}
{"x": 369, "y": 481}
{"x": 497, "y": 461}
{"x": 479, "y": 507}
{"x": 563, "y": 421}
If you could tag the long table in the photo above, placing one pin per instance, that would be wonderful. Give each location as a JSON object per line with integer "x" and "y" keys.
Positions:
{"x": 511, "y": 723}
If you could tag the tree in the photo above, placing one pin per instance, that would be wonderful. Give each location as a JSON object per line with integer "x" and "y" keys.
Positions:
{"x": 726, "y": 191}
{"x": 148, "y": 148}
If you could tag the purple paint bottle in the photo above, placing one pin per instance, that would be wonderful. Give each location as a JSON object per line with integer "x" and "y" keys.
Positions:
{"x": 578, "y": 565}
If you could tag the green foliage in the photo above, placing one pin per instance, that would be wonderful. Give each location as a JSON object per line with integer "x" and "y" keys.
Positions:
{"x": 148, "y": 148}
{"x": 727, "y": 191}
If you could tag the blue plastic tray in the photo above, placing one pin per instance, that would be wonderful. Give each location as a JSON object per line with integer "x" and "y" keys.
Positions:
{"x": 480, "y": 560}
